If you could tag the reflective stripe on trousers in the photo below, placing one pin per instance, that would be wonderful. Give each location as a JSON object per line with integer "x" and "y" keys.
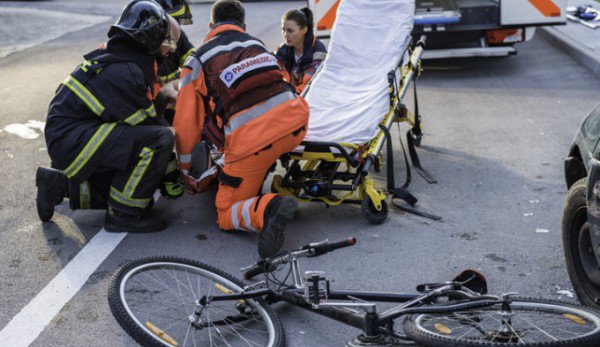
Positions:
{"x": 126, "y": 196}
{"x": 246, "y": 116}
{"x": 246, "y": 205}
{"x": 90, "y": 148}
{"x": 84, "y": 195}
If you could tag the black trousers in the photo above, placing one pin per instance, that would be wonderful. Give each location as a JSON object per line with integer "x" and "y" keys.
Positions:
{"x": 127, "y": 177}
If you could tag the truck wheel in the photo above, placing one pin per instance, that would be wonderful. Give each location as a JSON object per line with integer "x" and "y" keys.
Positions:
{"x": 582, "y": 265}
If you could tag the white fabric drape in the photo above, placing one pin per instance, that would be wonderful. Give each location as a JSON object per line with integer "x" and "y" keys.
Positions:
{"x": 349, "y": 96}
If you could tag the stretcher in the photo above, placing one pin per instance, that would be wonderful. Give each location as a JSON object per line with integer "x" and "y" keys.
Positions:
{"x": 355, "y": 98}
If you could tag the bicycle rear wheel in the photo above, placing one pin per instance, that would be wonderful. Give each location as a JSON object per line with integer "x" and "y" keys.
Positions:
{"x": 155, "y": 300}
{"x": 533, "y": 322}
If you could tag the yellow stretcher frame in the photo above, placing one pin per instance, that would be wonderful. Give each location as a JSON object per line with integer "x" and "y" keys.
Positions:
{"x": 297, "y": 181}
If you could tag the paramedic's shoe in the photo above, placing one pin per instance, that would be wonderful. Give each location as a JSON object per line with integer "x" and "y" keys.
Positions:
{"x": 200, "y": 159}
{"x": 52, "y": 187}
{"x": 116, "y": 221}
{"x": 279, "y": 211}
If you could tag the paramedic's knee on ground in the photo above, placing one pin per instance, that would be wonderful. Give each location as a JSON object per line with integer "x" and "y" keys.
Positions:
{"x": 239, "y": 207}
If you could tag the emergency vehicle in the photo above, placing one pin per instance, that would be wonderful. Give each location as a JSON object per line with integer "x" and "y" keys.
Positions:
{"x": 466, "y": 28}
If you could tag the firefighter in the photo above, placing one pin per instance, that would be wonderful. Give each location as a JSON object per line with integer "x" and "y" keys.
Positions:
{"x": 301, "y": 53}
{"x": 169, "y": 67}
{"x": 103, "y": 132}
{"x": 253, "y": 116}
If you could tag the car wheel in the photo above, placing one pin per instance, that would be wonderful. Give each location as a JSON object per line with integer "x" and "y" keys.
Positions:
{"x": 582, "y": 265}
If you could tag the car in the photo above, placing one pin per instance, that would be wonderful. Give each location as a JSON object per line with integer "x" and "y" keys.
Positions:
{"x": 580, "y": 228}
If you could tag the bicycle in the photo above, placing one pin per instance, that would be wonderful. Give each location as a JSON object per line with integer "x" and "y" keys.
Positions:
{"x": 169, "y": 301}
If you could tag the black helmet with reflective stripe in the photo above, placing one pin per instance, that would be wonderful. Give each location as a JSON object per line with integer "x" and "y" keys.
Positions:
{"x": 178, "y": 9}
{"x": 145, "y": 22}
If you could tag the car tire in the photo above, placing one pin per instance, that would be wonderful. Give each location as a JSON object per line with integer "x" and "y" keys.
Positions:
{"x": 579, "y": 256}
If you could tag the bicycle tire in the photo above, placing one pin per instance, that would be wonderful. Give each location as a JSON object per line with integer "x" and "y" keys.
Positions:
{"x": 124, "y": 293}
{"x": 419, "y": 327}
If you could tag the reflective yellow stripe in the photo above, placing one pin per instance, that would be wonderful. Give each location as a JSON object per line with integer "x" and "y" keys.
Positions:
{"x": 185, "y": 56}
{"x": 137, "y": 174}
{"x": 167, "y": 78}
{"x": 173, "y": 165}
{"x": 141, "y": 114}
{"x": 151, "y": 111}
{"x": 84, "y": 195}
{"x": 120, "y": 198}
{"x": 136, "y": 118}
{"x": 90, "y": 148}
{"x": 84, "y": 94}
{"x": 178, "y": 13}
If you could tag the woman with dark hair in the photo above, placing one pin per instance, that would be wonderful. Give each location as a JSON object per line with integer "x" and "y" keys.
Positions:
{"x": 301, "y": 53}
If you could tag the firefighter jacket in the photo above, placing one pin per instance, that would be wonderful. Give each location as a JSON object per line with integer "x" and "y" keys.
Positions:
{"x": 112, "y": 89}
{"x": 168, "y": 67}
{"x": 300, "y": 73}
{"x": 237, "y": 85}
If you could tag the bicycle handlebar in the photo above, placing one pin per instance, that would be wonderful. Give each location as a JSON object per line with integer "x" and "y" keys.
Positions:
{"x": 323, "y": 247}
{"x": 309, "y": 250}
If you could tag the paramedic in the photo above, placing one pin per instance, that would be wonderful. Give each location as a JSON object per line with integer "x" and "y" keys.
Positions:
{"x": 301, "y": 53}
{"x": 252, "y": 116}
{"x": 102, "y": 130}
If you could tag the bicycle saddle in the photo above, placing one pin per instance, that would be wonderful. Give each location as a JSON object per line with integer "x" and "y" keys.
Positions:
{"x": 469, "y": 279}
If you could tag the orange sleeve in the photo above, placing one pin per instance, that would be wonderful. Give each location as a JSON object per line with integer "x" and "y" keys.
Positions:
{"x": 305, "y": 79}
{"x": 190, "y": 112}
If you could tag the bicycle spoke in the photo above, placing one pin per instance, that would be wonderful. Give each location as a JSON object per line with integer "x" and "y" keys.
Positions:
{"x": 542, "y": 331}
{"x": 187, "y": 333}
{"x": 190, "y": 282}
{"x": 174, "y": 276}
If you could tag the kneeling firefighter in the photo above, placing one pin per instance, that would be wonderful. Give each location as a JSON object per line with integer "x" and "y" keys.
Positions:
{"x": 108, "y": 146}
{"x": 253, "y": 116}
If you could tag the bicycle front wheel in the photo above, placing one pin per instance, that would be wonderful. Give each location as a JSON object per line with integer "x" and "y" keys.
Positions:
{"x": 530, "y": 322}
{"x": 156, "y": 301}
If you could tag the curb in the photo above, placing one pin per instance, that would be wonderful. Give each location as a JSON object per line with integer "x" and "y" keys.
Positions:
{"x": 581, "y": 54}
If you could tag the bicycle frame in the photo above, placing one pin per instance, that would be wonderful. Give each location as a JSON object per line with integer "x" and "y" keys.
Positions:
{"x": 357, "y": 308}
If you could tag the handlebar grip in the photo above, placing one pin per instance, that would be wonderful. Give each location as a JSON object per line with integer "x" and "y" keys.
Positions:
{"x": 255, "y": 270}
{"x": 331, "y": 246}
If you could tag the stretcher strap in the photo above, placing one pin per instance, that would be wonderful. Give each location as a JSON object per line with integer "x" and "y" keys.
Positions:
{"x": 400, "y": 193}
{"x": 416, "y": 133}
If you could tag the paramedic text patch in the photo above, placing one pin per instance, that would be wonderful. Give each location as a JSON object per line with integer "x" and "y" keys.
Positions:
{"x": 235, "y": 71}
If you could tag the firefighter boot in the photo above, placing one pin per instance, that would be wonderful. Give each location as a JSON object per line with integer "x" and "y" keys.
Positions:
{"x": 116, "y": 221}
{"x": 279, "y": 211}
{"x": 52, "y": 186}
{"x": 172, "y": 186}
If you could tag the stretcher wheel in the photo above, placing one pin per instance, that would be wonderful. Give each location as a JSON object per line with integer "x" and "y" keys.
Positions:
{"x": 370, "y": 212}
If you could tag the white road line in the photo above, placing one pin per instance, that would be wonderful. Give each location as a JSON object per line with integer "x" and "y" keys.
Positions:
{"x": 25, "y": 327}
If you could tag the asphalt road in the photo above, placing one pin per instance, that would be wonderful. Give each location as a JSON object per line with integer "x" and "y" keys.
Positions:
{"x": 496, "y": 133}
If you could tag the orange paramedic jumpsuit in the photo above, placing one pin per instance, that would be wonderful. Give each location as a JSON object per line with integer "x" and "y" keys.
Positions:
{"x": 261, "y": 118}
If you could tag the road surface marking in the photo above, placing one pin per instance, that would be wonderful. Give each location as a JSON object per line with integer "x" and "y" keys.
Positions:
{"x": 25, "y": 327}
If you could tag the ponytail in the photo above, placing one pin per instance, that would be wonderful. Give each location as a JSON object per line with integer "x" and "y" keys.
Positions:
{"x": 309, "y": 20}
{"x": 303, "y": 17}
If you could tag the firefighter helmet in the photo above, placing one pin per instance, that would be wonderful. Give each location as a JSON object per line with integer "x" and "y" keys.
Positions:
{"x": 145, "y": 22}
